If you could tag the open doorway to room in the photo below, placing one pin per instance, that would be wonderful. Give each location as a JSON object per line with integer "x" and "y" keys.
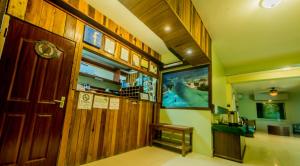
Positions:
{"x": 271, "y": 106}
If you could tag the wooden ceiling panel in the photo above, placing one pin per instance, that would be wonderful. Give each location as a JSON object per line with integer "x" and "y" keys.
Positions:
{"x": 158, "y": 14}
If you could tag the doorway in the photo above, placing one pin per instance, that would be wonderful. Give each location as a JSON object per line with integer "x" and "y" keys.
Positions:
{"x": 35, "y": 72}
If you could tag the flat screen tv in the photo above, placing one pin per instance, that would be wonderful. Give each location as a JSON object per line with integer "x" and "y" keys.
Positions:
{"x": 270, "y": 110}
{"x": 188, "y": 88}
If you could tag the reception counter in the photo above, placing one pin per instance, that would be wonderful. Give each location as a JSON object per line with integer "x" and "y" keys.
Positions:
{"x": 229, "y": 142}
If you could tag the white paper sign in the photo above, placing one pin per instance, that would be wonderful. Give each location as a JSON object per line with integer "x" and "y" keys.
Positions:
{"x": 124, "y": 54}
{"x": 109, "y": 46}
{"x": 100, "y": 102}
{"x": 85, "y": 101}
{"x": 114, "y": 103}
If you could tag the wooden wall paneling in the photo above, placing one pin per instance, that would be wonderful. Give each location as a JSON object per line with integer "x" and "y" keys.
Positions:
{"x": 59, "y": 22}
{"x": 101, "y": 134}
{"x": 184, "y": 13}
{"x": 81, "y": 133}
{"x": 209, "y": 46}
{"x": 91, "y": 11}
{"x": 47, "y": 16}
{"x": 74, "y": 133}
{"x": 126, "y": 127}
{"x": 99, "y": 17}
{"x": 123, "y": 33}
{"x": 88, "y": 134}
{"x": 83, "y": 7}
{"x": 74, "y": 3}
{"x": 114, "y": 132}
{"x": 111, "y": 25}
{"x": 33, "y": 7}
{"x": 138, "y": 43}
{"x": 70, "y": 27}
{"x": 17, "y": 8}
{"x": 196, "y": 26}
{"x": 71, "y": 102}
{"x": 97, "y": 128}
{"x": 89, "y": 151}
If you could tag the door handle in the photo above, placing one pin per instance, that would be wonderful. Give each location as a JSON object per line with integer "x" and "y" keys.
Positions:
{"x": 61, "y": 102}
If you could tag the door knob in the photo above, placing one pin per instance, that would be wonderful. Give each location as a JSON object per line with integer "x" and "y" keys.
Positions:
{"x": 61, "y": 102}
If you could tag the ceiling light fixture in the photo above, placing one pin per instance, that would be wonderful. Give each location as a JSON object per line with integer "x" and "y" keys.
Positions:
{"x": 167, "y": 28}
{"x": 269, "y": 3}
{"x": 189, "y": 51}
{"x": 273, "y": 92}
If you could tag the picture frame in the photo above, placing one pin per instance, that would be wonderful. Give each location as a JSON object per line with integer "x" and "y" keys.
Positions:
{"x": 92, "y": 37}
{"x": 136, "y": 59}
{"x": 124, "y": 53}
{"x": 145, "y": 63}
{"x": 192, "y": 90}
{"x": 153, "y": 68}
{"x": 109, "y": 45}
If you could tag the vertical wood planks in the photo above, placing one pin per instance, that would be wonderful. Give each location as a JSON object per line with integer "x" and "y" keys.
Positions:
{"x": 59, "y": 22}
{"x": 47, "y": 17}
{"x": 70, "y": 27}
{"x": 101, "y": 133}
{"x": 17, "y": 8}
{"x": 33, "y": 10}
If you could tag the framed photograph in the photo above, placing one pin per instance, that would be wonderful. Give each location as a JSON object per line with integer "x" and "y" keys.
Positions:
{"x": 145, "y": 63}
{"x": 136, "y": 59}
{"x": 187, "y": 89}
{"x": 153, "y": 68}
{"x": 124, "y": 53}
{"x": 109, "y": 45}
{"x": 92, "y": 36}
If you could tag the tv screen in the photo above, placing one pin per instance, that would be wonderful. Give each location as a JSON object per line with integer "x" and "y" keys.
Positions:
{"x": 188, "y": 88}
{"x": 270, "y": 110}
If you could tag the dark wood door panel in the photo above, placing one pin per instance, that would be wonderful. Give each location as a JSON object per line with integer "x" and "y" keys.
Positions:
{"x": 24, "y": 70}
{"x": 11, "y": 135}
{"x": 29, "y": 86}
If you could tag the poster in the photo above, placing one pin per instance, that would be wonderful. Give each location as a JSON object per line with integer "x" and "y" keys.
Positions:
{"x": 92, "y": 37}
{"x": 153, "y": 68}
{"x": 136, "y": 60}
{"x": 114, "y": 103}
{"x": 101, "y": 102}
{"x": 145, "y": 63}
{"x": 109, "y": 45}
{"x": 124, "y": 55}
{"x": 85, "y": 101}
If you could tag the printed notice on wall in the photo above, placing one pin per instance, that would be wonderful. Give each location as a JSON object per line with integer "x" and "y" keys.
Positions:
{"x": 85, "y": 101}
{"x": 100, "y": 102}
{"x": 114, "y": 103}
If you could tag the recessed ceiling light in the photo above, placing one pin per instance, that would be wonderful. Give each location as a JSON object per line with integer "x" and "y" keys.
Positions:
{"x": 189, "y": 51}
{"x": 167, "y": 28}
{"x": 269, "y": 3}
{"x": 286, "y": 68}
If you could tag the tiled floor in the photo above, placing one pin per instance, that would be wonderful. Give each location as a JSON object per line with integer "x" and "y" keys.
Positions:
{"x": 263, "y": 150}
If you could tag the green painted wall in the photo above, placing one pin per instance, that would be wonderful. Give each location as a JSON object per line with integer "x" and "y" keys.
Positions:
{"x": 247, "y": 108}
{"x": 200, "y": 119}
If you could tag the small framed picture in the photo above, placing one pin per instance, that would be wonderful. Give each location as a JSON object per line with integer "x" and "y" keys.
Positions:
{"x": 153, "y": 68}
{"x": 136, "y": 59}
{"x": 92, "y": 36}
{"x": 145, "y": 63}
{"x": 124, "y": 53}
{"x": 109, "y": 45}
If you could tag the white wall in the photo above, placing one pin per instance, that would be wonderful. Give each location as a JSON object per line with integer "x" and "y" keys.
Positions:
{"x": 247, "y": 108}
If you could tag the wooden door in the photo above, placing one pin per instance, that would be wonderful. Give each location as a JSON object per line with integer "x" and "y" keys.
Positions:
{"x": 30, "y": 119}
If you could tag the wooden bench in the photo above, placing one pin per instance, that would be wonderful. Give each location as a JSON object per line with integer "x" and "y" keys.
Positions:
{"x": 172, "y": 137}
